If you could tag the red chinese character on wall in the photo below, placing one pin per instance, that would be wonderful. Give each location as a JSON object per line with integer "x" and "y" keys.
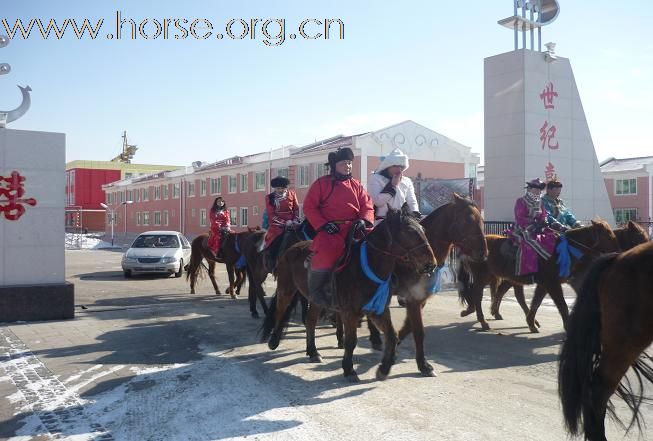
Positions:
{"x": 547, "y": 135}
{"x": 549, "y": 171}
{"x": 11, "y": 192}
{"x": 547, "y": 96}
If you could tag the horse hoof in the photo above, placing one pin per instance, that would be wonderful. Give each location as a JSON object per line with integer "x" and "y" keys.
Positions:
{"x": 255, "y": 315}
{"x": 352, "y": 378}
{"x": 315, "y": 359}
{"x": 466, "y": 312}
{"x": 427, "y": 371}
{"x": 273, "y": 343}
{"x": 537, "y": 323}
{"x": 485, "y": 326}
{"x": 218, "y": 293}
{"x": 233, "y": 296}
{"x": 533, "y": 329}
{"x": 377, "y": 346}
{"x": 192, "y": 291}
{"x": 341, "y": 346}
{"x": 498, "y": 316}
{"x": 380, "y": 375}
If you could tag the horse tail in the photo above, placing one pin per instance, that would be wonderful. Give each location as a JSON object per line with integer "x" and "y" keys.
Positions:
{"x": 581, "y": 349}
{"x": 464, "y": 280}
{"x": 270, "y": 320}
{"x": 267, "y": 329}
{"x": 196, "y": 257}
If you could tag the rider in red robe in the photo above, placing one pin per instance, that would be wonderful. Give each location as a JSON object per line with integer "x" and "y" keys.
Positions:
{"x": 282, "y": 208}
{"x": 220, "y": 221}
{"x": 334, "y": 204}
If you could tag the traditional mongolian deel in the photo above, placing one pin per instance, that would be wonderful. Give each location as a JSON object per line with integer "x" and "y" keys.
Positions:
{"x": 220, "y": 220}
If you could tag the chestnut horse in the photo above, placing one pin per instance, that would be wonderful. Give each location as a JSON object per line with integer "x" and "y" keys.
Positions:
{"x": 592, "y": 240}
{"x": 608, "y": 331}
{"x": 457, "y": 223}
{"x": 628, "y": 237}
{"x": 398, "y": 238}
{"x": 230, "y": 256}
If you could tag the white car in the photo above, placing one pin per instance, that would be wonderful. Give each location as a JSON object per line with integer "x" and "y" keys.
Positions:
{"x": 157, "y": 252}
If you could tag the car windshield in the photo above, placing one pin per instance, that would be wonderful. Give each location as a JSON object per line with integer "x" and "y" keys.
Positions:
{"x": 156, "y": 241}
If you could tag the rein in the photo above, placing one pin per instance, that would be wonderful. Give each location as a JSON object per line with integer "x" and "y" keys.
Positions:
{"x": 404, "y": 257}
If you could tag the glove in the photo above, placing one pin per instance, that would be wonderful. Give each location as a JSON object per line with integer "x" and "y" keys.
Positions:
{"x": 577, "y": 224}
{"x": 331, "y": 228}
{"x": 416, "y": 214}
{"x": 358, "y": 224}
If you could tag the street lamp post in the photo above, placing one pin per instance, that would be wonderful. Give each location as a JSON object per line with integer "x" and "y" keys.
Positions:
{"x": 112, "y": 216}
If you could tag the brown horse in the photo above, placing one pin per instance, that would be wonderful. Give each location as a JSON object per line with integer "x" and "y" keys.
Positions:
{"x": 608, "y": 331}
{"x": 398, "y": 238}
{"x": 458, "y": 223}
{"x": 628, "y": 237}
{"x": 230, "y": 256}
{"x": 257, "y": 271}
{"x": 591, "y": 240}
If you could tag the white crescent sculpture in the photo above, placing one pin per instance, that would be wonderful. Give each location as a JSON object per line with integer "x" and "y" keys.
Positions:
{"x": 13, "y": 115}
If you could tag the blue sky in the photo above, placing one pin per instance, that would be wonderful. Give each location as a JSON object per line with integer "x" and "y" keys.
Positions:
{"x": 187, "y": 100}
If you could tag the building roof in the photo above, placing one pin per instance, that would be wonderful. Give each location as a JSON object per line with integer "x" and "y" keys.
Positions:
{"x": 626, "y": 164}
{"x": 110, "y": 165}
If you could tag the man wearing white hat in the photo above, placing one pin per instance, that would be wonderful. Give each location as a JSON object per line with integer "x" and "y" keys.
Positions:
{"x": 389, "y": 187}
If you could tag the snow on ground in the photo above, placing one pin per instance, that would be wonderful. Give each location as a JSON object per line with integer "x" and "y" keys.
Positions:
{"x": 85, "y": 242}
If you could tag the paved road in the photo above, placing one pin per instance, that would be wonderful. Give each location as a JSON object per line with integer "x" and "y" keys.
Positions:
{"x": 146, "y": 360}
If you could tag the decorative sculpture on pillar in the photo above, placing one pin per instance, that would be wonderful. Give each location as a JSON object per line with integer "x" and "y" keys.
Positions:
{"x": 12, "y": 115}
{"x": 534, "y": 15}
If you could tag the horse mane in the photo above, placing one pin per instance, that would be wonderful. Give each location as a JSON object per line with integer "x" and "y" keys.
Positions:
{"x": 454, "y": 199}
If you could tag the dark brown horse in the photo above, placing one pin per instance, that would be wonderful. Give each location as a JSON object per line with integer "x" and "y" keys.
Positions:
{"x": 398, "y": 238}
{"x": 592, "y": 240}
{"x": 628, "y": 237}
{"x": 458, "y": 223}
{"x": 257, "y": 271}
{"x": 230, "y": 256}
{"x": 608, "y": 331}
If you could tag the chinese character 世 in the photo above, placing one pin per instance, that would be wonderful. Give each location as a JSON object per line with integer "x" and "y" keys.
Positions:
{"x": 547, "y": 96}
{"x": 11, "y": 192}
{"x": 547, "y": 134}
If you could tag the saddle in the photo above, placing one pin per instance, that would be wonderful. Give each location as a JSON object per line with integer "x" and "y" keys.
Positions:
{"x": 509, "y": 249}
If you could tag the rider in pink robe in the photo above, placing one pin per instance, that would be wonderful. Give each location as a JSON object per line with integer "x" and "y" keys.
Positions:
{"x": 531, "y": 230}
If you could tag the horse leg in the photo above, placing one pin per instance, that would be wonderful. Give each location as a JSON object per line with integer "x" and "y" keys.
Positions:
{"x": 278, "y": 308}
{"x": 405, "y": 330}
{"x": 477, "y": 292}
{"x": 340, "y": 332}
{"x": 521, "y": 299}
{"x": 240, "y": 279}
{"x": 252, "y": 293}
{"x": 312, "y": 317}
{"x": 536, "y": 301}
{"x": 230, "y": 275}
{"x": 211, "y": 271}
{"x": 375, "y": 335}
{"x": 414, "y": 313}
{"x": 496, "y": 294}
{"x": 384, "y": 323}
{"x": 555, "y": 291}
{"x": 350, "y": 323}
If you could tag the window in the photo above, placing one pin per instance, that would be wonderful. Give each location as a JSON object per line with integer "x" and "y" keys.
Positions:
{"x": 192, "y": 213}
{"x": 144, "y": 194}
{"x": 122, "y": 196}
{"x": 282, "y": 172}
{"x": 203, "y": 217}
{"x": 203, "y": 187}
{"x": 302, "y": 176}
{"x": 191, "y": 189}
{"x": 157, "y": 193}
{"x": 164, "y": 189}
{"x": 626, "y": 186}
{"x": 301, "y": 211}
{"x": 320, "y": 170}
{"x": 623, "y": 215}
{"x": 137, "y": 195}
{"x": 259, "y": 181}
{"x": 164, "y": 217}
{"x": 255, "y": 210}
{"x": 216, "y": 185}
{"x": 232, "y": 184}
{"x": 244, "y": 183}
{"x": 175, "y": 191}
{"x": 128, "y": 175}
{"x": 130, "y": 195}
{"x": 157, "y": 218}
{"x": 146, "y": 218}
{"x": 138, "y": 218}
{"x": 243, "y": 217}
{"x": 233, "y": 217}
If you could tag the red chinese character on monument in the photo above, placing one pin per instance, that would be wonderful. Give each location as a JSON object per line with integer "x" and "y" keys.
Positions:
{"x": 547, "y": 134}
{"x": 547, "y": 96}
{"x": 549, "y": 171}
{"x": 11, "y": 192}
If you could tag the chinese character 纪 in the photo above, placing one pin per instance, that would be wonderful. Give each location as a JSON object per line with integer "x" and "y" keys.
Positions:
{"x": 547, "y": 135}
{"x": 11, "y": 191}
{"x": 547, "y": 96}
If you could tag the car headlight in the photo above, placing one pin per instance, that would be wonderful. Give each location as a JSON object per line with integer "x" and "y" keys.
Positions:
{"x": 129, "y": 259}
{"x": 168, "y": 259}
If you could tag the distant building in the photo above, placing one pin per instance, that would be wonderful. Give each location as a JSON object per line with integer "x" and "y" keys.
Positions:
{"x": 84, "y": 181}
{"x": 629, "y": 182}
{"x": 180, "y": 199}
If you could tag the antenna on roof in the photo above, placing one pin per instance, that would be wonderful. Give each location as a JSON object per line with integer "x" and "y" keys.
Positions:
{"x": 128, "y": 151}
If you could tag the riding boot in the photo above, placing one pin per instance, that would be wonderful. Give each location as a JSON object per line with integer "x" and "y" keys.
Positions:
{"x": 270, "y": 261}
{"x": 320, "y": 288}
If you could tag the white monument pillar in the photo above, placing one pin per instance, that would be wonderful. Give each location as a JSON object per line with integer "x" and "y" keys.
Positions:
{"x": 535, "y": 126}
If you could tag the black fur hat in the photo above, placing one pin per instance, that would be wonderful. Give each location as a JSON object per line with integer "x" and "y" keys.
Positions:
{"x": 279, "y": 181}
{"x": 342, "y": 154}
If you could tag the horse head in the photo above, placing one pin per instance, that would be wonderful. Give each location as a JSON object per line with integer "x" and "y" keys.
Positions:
{"x": 597, "y": 238}
{"x": 631, "y": 235}
{"x": 459, "y": 223}
{"x": 403, "y": 238}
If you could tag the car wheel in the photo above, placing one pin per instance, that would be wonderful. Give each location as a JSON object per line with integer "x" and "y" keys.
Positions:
{"x": 127, "y": 274}
{"x": 181, "y": 268}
